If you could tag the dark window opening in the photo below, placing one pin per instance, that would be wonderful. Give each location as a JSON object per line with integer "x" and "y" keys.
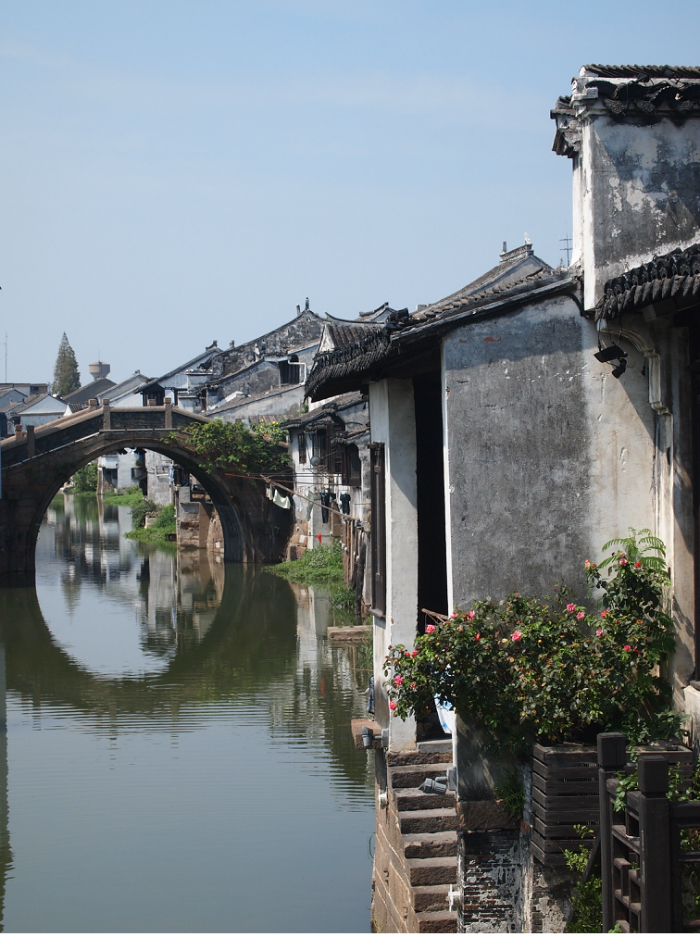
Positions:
{"x": 301, "y": 447}
{"x": 319, "y": 447}
{"x": 290, "y": 371}
{"x": 353, "y": 466}
{"x": 432, "y": 546}
{"x": 378, "y": 538}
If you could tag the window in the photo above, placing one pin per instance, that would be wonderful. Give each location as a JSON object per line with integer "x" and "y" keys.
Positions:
{"x": 290, "y": 371}
{"x": 378, "y": 528}
{"x": 353, "y": 466}
{"x": 301, "y": 446}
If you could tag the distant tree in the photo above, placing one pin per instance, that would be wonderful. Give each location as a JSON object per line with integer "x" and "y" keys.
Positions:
{"x": 66, "y": 377}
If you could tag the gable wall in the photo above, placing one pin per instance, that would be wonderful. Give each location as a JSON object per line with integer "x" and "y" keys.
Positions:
{"x": 548, "y": 455}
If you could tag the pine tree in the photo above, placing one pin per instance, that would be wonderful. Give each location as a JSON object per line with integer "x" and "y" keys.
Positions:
{"x": 66, "y": 377}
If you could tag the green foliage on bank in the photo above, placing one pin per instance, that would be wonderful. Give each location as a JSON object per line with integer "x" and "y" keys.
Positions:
{"x": 129, "y": 496}
{"x": 162, "y": 528}
{"x": 85, "y": 479}
{"x": 217, "y": 443}
{"x": 321, "y": 566}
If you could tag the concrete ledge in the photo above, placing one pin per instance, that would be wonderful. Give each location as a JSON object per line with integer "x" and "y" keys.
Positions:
{"x": 354, "y": 634}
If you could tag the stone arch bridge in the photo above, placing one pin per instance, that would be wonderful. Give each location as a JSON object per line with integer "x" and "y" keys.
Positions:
{"x": 35, "y": 466}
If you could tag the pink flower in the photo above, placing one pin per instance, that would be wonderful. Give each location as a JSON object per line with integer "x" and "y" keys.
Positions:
{"x": 628, "y": 648}
{"x": 586, "y": 563}
{"x": 413, "y": 684}
{"x": 414, "y": 653}
{"x": 623, "y": 561}
{"x": 570, "y": 607}
{"x": 580, "y": 615}
{"x": 604, "y": 614}
{"x": 392, "y": 705}
{"x": 478, "y": 636}
{"x": 398, "y": 681}
{"x": 517, "y": 636}
{"x": 454, "y": 615}
{"x": 599, "y": 632}
{"x": 430, "y": 628}
{"x": 471, "y": 614}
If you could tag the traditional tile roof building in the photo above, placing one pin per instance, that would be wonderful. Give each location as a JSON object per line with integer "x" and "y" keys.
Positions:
{"x": 506, "y": 448}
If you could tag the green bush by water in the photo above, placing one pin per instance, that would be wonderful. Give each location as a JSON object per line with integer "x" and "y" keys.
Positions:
{"x": 320, "y": 567}
{"x": 129, "y": 496}
{"x": 161, "y": 530}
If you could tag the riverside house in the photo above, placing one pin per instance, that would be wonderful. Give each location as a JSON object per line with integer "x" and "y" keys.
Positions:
{"x": 505, "y": 453}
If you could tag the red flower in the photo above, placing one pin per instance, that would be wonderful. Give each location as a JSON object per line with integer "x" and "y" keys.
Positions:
{"x": 414, "y": 653}
{"x": 517, "y": 636}
{"x": 604, "y": 614}
{"x": 478, "y": 636}
{"x": 628, "y": 648}
{"x": 570, "y": 607}
{"x": 638, "y": 564}
{"x": 430, "y": 628}
{"x": 392, "y": 705}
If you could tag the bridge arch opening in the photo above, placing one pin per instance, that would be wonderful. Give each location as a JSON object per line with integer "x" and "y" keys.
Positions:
{"x": 34, "y": 469}
{"x": 220, "y": 496}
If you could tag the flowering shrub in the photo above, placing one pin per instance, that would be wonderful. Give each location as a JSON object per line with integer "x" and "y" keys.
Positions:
{"x": 526, "y": 669}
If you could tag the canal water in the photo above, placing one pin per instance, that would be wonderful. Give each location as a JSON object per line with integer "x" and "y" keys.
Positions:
{"x": 178, "y": 753}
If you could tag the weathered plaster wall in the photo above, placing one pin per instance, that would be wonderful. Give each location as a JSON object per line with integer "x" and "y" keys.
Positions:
{"x": 519, "y": 448}
{"x": 393, "y": 422}
{"x": 549, "y": 455}
{"x": 638, "y": 195}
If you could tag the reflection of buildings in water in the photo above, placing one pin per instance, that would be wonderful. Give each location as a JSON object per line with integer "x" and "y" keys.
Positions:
{"x": 173, "y": 599}
{"x": 5, "y": 850}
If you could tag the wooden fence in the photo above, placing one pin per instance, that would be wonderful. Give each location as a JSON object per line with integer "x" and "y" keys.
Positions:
{"x": 649, "y": 851}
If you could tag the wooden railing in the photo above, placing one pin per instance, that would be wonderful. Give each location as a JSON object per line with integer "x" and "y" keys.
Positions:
{"x": 650, "y": 851}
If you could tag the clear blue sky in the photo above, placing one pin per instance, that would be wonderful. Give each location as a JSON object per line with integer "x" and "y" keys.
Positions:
{"x": 177, "y": 172}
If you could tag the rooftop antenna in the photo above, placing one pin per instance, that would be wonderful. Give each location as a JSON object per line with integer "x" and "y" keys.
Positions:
{"x": 567, "y": 241}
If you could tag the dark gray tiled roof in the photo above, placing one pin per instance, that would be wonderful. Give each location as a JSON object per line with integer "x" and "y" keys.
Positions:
{"x": 90, "y": 391}
{"x": 652, "y": 71}
{"x": 674, "y": 275}
{"x": 345, "y": 368}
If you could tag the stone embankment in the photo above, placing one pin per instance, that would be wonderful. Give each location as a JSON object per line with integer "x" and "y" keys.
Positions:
{"x": 415, "y": 857}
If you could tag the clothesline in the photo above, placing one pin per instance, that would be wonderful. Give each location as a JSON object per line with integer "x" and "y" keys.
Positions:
{"x": 294, "y": 492}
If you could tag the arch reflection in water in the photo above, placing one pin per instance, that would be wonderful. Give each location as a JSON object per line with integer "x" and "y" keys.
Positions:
{"x": 214, "y": 763}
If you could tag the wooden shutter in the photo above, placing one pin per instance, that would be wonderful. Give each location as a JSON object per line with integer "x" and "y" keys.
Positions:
{"x": 378, "y": 499}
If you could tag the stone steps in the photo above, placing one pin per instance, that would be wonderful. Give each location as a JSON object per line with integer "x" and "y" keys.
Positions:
{"x": 413, "y": 799}
{"x": 411, "y": 776}
{"x": 425, "y": 845}
{"x": 433, "y": 820}
{"x": 440, "y": 922}
{"x": 432, "y": 870}
{"x": 430, "y": 897}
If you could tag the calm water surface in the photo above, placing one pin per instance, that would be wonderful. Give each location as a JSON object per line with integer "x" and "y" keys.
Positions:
{"x": 178, "y": 754}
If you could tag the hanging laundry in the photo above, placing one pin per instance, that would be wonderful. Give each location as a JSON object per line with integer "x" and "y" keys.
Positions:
{"x": 269, "y": 493}
{"x": 345, "y": 503}
{"x": 281, "y": 501}
{"x": 325, "y": 503}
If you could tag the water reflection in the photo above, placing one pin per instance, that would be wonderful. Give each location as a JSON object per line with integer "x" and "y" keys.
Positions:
{"x": 136, "y": 650}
